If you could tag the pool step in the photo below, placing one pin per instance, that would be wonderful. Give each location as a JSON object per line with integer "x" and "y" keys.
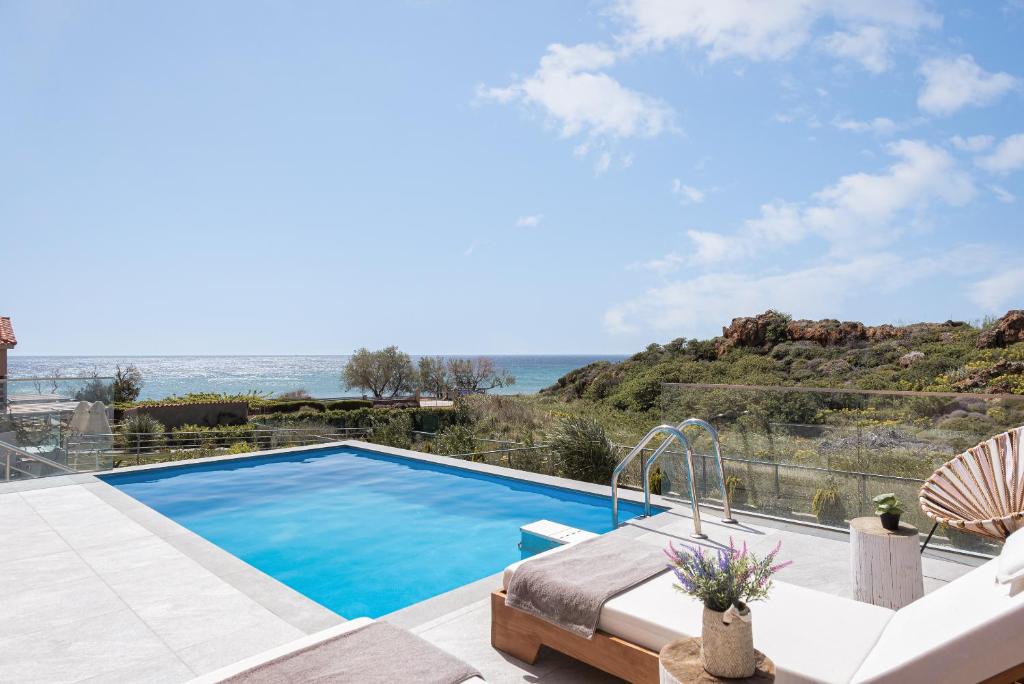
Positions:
{"x": 543, "y": 535}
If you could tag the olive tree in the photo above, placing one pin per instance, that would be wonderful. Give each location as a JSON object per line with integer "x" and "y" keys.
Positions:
{"x": 442, "y": 377}
{"x": 384, "y": 373}
{"x": 434, "y": 378}
{"x": 477, "y": 374}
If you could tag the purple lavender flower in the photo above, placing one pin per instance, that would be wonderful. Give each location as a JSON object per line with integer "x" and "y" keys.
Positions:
{"x": 731, "y": 575}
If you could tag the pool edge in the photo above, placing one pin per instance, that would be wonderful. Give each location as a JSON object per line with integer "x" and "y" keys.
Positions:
{"x": 502, "y": 472}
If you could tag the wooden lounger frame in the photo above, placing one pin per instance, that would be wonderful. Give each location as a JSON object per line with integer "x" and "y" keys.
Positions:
{"x": 521, "y": 635}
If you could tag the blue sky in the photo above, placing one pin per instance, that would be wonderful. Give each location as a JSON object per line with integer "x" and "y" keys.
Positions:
{"x": 483, "y": 177}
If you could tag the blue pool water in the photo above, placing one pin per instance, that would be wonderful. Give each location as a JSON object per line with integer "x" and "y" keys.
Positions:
{"x": 360, "y": 532}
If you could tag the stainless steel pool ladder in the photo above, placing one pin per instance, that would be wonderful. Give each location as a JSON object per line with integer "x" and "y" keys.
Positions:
{"x": 673, "y": 434}
{"x": 720, "y": 471}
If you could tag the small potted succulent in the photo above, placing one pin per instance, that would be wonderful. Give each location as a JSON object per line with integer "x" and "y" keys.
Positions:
{"x": 725, "y": 581}
{"x": 889, "y": 509}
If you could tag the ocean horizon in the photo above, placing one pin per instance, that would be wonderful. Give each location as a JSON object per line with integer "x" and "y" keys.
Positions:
{"x": 319, "y": 375}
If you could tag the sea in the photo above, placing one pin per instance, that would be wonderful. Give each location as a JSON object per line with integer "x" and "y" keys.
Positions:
{"x": 320, "y": 376}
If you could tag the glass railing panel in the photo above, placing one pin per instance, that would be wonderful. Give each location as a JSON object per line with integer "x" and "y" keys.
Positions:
{"x": 820, "y": 455}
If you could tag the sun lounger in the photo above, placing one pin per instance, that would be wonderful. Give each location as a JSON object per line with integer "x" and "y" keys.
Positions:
{"x": 968, "y": 631}
{"x": 387, "y": 654}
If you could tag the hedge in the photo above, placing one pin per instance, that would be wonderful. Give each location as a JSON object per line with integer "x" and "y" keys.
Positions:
{"x": 348, "y": 404}
{"x": 294, "y": 405}
{"x": 425, "y": 419}
{"x": 291, "y": 406}
{"x": 222, "y": 435}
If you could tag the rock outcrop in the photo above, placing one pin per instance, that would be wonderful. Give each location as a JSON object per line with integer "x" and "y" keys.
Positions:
{"x": 1006, "y": 331}
{"x": 910, "y": 358}
{"x": 770, "y": 328}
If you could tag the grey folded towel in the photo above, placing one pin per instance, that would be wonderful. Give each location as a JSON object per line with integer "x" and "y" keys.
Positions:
{"x": 378, "y": 653}
{"x": 569, "y": 588}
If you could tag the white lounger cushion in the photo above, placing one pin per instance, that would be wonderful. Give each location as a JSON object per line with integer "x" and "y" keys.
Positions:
{"x": 1011, "y": 559}
{"x": 966, "y": 631}
{"x": 811, "y": 636}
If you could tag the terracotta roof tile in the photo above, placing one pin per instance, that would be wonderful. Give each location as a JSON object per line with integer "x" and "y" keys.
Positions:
{"x": 7, "y": 338}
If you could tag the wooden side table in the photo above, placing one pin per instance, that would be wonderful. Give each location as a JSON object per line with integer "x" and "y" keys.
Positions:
{"x": 679, "y": 662}
{"x": 886, "y": 565}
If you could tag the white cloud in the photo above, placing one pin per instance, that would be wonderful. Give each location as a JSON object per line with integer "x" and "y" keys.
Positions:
{"x": 779, "y": 222}
{"x": 974, "y": 143}
{"x": 602, "y": 163}
{"x": 1003, "y": 195}
{"x": 1008, "y": 156}
{"x": 868, "y": 45}
{"x": 997, "y": 292}
{"x": 663, "y": 265}
{"x": 880, "y": 125}
{"x": 687, "y": 193}
{"x": 861, "y": 207}
{"x": 531, "y": 221}
{"x": 860, "y": 211}
{"x": 710, "y": 246}
{"x": 760, "y": 30}
{"x": 954, "y": 83}
{"x": 580, "y": 99}
{"x": 694, "y": 306}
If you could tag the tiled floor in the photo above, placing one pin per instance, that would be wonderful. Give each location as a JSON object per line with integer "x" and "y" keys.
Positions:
{"x": 97, "y": 587}
{"x": 91, "y": 595}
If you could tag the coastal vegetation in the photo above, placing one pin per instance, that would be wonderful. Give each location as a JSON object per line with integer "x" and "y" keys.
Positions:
{"x": 127, "y": 384}
{"x": 808, "y": 421}
{"x": 772, "y": 349}
{"x": 389, "y": 372}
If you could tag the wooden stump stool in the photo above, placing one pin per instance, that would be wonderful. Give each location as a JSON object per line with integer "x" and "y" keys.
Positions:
{"x": 886, "y": 565}
{"x": 679, "y": 662}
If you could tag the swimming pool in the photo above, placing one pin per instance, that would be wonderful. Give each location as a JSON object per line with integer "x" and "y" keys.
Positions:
{"x": 362, "y": 532}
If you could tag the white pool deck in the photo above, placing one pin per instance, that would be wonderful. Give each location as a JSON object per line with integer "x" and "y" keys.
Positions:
{"x": 97, "y": 587}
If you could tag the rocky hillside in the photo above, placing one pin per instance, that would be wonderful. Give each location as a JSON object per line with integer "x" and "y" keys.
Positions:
{"x": 773, "y": 349}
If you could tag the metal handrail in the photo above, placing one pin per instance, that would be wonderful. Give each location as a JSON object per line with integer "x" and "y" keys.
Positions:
{"x": 673, "y": 433}
{"x": 10, "y": 449}
{"x": 710, "y": 429}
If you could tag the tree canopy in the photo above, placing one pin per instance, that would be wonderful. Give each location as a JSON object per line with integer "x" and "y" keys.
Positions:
{"x": 440, "y": 377}
{"x": 387, "y": 372}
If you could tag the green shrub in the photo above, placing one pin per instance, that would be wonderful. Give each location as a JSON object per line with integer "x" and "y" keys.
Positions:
{"x": 584, "y": 449}
{"x": 292, "y": 406}
{"x": 737, "y": 493}
{"x": 393, "y": 430}
{"x": 827, "y": 504}
{"x": 254, "y": 399}
{"x": 348, "y": 404}
{"x": 366, "y": 417}
{"x": 140, "y": 433}
{"x": 193, "y": 436}
{"x": 455, "y": 439}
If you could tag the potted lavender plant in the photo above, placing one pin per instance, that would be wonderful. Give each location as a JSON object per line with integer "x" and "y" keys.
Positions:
{"x": 725, "y": 581}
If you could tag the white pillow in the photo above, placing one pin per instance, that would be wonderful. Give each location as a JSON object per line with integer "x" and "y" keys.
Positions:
{"x": 1011, "y": 559}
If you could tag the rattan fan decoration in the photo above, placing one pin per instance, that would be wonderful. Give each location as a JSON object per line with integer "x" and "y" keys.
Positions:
{"x": 982, "y": 489}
